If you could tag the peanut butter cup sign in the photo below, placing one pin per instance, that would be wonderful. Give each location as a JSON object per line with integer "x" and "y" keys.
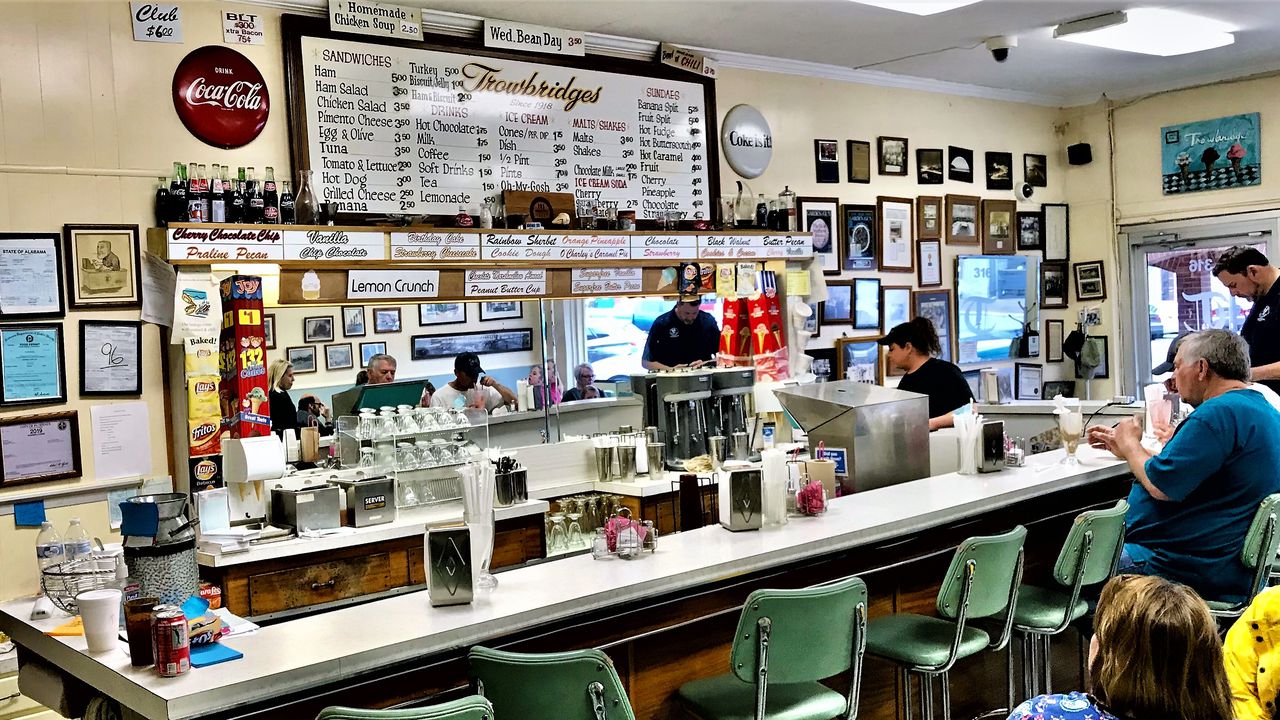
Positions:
{"x": 220, "y": 97}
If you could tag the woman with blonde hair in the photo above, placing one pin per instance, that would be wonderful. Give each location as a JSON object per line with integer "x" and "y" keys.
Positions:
{"x": 1155, "y": 655}
{"x": 284, "y": 413}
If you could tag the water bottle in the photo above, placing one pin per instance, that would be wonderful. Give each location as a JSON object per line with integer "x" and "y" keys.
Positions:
{"x": 76, "y": 543}
{"x": 49, "y": 549}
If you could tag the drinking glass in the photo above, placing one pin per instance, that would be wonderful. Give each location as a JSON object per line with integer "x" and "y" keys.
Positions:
{"x": 1070, "y": 430}
{"x": 559, "y": 540}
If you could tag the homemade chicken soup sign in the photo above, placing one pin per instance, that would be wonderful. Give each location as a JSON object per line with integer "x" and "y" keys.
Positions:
{"x": 403, "y": 130}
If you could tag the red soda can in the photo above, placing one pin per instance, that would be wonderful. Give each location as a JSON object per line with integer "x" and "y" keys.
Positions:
{"x": 169, "y": 637}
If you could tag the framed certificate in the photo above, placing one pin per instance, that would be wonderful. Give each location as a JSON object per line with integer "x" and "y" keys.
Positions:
{"x": 31, "y": 366}
{"x": 31, "y": 276}
{"x": 39, "y": 447}
{"x": 110, "y": 357}
{"x": 897, "y": 240}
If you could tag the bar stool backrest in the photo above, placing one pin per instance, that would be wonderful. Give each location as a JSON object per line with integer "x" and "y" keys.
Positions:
{"x": 577, "y": 685}
{"x": 1103, "y": 532}
{"x": 986, "y": 569}
{"x": 1261, "y": 542}
{"x": 472, "y": 707}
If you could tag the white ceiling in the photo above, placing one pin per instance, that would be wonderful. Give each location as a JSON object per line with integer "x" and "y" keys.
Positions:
{"x": 945, "y": 47}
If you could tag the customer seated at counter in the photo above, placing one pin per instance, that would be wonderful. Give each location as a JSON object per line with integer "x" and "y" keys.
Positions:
{"x": 546, "y": 393}
{"x": 584, "y": 377}
{"x": 313, "y": 413}
{"x": 1192, "y": 503}
{"x": 468, "y": 389}
{"x": 912, "y": 347}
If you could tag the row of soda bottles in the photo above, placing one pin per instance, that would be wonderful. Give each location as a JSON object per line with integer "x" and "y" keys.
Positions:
{"x": 196, "y": 196}
{"x": 52, "y": 549}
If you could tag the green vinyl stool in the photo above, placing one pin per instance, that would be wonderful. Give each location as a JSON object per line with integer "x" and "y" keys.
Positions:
{"x": 472, "y": 707}
{"x": 577, "y": 685}
{"x": 1258, "y": 555}
{"x": 982, "y": 582}
{"x": 786, "y": 641}
{"x": 1088, "y": 556}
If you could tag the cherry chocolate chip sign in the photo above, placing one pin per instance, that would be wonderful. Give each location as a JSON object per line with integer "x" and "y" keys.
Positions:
{"x": 220, "y": 96}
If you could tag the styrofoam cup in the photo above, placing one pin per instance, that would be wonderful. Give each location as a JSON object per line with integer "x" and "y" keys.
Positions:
{"x": 100, "y": 612}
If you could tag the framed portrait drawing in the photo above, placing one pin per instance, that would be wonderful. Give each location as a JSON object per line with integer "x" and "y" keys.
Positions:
{"x": 31, "y": 276}
{"x": 32, "y": 370}
{"x": 103, "y": 266}
{"x": 1054, "y": 388}
{"x": 936, "y": 305}
{"x": 1054, "y": 332}
{"x": 338, "y": 357}
{"x": 896, "y": 247}
{"x": 859, "y": 161}
{"x": 962, "y": 219}
{"x": 929, "y": 218}
{"x": 317, "y": 329}
{"x": 858, "y": 359}
{"x": 1030, "y": 231}
{"x": 441, "y": 313}
{"x": 1053, "y": 284}
{"x": 302, "y": 358}
{"x": 929, "y": 166}
{"x": 1057, "y": 235}
{"x": 269, "y": 331}
{"x": 929, "y": 263}
{"x": 386, "y": 320}
{"x": 110, "y": 357}
{"x": 353, "y": 321}
{"x": 959, "y": 164}
{"x": 997, "y": 227}
{"x": 866, "y": 304}
{"x": 36, "y": 448}
{"x": 892, "y": 153}
{"x": 895, "y": 306}
{"x": 369, "y": 349}
{"x": 1027, "y": 381}
{"x": 999, "y": 171}
{"x": 1090, "y": 284}
{"x": 1035, "y": 169}
{"x": 818, "y": 217}
{"x": 826, "y": 160}
{"x": 838, "y": 307}
{"x": 858, "y": 222}
{"x": 501, "y": 310}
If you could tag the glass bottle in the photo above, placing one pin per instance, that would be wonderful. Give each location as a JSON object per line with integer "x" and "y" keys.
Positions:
{"x": 270, "y": 198}
{"x": 178, "y": 194}
{"x": 788, "y": 199}
{"x": 162, "y": 203}
{"x": 218, "y": 195}
{"x": 236, "y": 206}
{"x": 288, "y": 206}
{"x": 253, "y": 199}
{"x": 305, "y": 204}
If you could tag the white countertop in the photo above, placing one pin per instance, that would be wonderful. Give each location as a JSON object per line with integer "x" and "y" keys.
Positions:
{"x": 307, "y": 652}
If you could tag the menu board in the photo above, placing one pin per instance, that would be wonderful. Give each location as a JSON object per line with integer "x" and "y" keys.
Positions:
{"x": 402, "y": 130}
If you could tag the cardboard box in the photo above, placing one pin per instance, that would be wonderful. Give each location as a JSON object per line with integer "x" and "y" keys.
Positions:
{"x": 243, "y": 359}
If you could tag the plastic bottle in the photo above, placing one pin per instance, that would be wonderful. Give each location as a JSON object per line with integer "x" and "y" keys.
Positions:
{"x": 76, "y": 543}
{"x": 49, "y": 550}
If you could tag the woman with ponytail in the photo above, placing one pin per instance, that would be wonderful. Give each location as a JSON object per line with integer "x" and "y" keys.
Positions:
{"x": 911, "y": 348}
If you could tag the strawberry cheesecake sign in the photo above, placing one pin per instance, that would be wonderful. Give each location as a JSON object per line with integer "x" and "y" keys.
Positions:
{"x": 220, "y": 97}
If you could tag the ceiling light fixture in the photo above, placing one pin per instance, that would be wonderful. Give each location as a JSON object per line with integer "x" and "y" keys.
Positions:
{"x": 918, "y": 7}
{"x": 1150, "y": 31}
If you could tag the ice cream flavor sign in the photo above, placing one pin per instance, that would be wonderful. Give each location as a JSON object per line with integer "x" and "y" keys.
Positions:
{"x": 1212, "y": 154}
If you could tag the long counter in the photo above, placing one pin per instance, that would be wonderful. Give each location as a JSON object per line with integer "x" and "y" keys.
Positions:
{"x": 328, "y": 649}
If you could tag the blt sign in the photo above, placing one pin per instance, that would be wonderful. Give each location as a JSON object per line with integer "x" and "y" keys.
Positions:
{"x": 239, "y": 28}
{"x": 153, "y": 22}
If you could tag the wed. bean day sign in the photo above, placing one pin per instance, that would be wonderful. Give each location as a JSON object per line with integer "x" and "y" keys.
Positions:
{"x": 1211, "y": 154}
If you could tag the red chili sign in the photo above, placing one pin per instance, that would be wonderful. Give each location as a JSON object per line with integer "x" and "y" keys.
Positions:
{"x": 220, "y": 96}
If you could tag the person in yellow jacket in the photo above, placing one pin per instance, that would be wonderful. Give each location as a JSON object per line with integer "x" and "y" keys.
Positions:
{"x": 1252, "y": 657}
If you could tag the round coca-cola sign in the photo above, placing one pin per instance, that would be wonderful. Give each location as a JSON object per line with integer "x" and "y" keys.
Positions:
{"x": 220, "y": 96}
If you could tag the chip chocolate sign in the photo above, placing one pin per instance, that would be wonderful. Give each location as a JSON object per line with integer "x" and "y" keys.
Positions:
{"x": 220, "y": 97}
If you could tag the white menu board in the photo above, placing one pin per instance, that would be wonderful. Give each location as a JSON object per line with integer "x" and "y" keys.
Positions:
{"x": 411, "y": 131}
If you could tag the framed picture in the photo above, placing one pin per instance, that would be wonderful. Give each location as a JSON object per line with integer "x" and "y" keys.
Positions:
{"x": 302, "y": 358}
{"x": 1212, "y": 154}
{"x": 501, "y": 310}
{"x": 39, "y": 447}
{"x": 425, "y": 347}
{"x": 858, "y": 359}
{"x": 1030, "y": 231}
{"x": 929, "y": 166}
{"x": 1057, "y": 235}
{"x": 999, "y": 171}
{"x": 930, "y": 263}
{"x": 1035, "y": 170}
{"x": 826, "y": 160}
{"x": 103, "y": 266}
{"x": 338, "y": 357}
{"x": 974, "y": 379}
{"x": 1053, "y": 284}
{"x": 936, "y": 305}
{"x": 895, "y": 306}
{"x": 1090, "y": 284}
{"x": 369, "y": 349}
{"x": 859, "y": 227}
{"x": 386, "y": 319}
{"x": 353, "y": 321}
{"x": 318, "y": 329}
{"x": 818, "y": 216}
{"x": 813, "y": 323}
{"x": 997, "y": 227}
{"x": 866, "y": 304}
{"x": 110, "y": 357}
{"x": 959, "y": 164}
{"x": 32, "y": 370}
{"x": 1054, "y": 332}
{"x": 838, "y": 307}
{"x": 1054, "y": 388}
{"x": 269, "y": 331}
{"x": 892, "y": 153}
{"x": 928, "y": 217}
{"x": 1027, "y": 381}
{"x": 858, "y": 154}
{"x": 31, "y": 276}
{"x": 441, "y": 313}
{"x": 962, "y": 219}
{"x": 896, "y": 251}
{"x": 1104, "y": 368}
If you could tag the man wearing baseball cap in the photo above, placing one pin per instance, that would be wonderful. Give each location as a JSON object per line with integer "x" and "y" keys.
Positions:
{"x": 469, "y": 390}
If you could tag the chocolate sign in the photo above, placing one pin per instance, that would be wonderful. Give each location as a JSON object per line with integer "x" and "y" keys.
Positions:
{"x": 220, "y": 96}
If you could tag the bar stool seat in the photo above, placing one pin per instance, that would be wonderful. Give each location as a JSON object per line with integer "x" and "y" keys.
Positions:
{"x": 922, "y": 641}
{"x": 1040, "y": 608}
{"x": 725, "y": 697}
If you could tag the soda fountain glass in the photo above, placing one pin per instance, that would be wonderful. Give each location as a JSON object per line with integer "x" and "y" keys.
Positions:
{"x": 1070, "y": 430}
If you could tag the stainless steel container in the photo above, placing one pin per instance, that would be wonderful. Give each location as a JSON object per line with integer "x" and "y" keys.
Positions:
{"x": 740, "y": 499}
{"x": 369, "y": 502}
{"x": 627, "y": 462}
{"x": 449, "y": 569}
{"x": 992, "y": 459}
{"x": 310, "y": 508}
{"x": 512, "y": 488}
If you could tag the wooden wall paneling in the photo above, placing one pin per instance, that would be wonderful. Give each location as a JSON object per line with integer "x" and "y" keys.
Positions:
{"x": 20, "y": 104}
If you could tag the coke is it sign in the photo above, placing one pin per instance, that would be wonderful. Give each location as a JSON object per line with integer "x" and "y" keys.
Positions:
{"x": 220, "y": 96}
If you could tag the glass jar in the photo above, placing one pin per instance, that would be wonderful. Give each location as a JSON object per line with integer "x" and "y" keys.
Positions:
{"x": 650, "y": 536}
{"x": 600, "y": 546}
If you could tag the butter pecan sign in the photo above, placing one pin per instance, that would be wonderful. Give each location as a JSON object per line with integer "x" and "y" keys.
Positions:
{"x": 221, "y": 97}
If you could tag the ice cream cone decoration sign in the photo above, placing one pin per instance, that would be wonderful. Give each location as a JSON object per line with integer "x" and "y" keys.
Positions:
{"x": 734, "y": 336}
{"x": 765, "y": 309}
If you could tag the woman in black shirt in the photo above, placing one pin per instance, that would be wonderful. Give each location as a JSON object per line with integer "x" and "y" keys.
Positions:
{"x": 284, "y": 414}
{"x": 911, "y": 347}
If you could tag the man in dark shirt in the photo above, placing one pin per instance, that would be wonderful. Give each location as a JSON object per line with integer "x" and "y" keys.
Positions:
{"x": 911, "y": 347}
{"x": 1248, "y": 274}
{"x": 683, "y": 336}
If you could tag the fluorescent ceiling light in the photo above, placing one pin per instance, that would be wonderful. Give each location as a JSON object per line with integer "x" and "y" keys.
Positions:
{"x": 918, "y": 7}
{"x": 1149, "y": 31}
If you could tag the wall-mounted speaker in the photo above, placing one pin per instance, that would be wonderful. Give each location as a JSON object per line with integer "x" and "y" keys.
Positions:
{"x": 1079, "y": 154}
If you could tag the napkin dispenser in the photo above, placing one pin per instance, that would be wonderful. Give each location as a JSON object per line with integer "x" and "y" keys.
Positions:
{"x": 740, "y": 499}
{"x": 991, "y": 447}
{"x": 449, "y": 570}
{"x": 313, "y": 507}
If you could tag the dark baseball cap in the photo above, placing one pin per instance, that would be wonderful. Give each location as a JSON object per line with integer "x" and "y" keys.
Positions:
{"x": 1167, "y": 365}
{"x": 469, "y": 363}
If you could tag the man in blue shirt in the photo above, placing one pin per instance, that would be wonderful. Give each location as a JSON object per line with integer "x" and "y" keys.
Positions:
{"x": 1191, "y": 505}
{"x": 684, "y": 336}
